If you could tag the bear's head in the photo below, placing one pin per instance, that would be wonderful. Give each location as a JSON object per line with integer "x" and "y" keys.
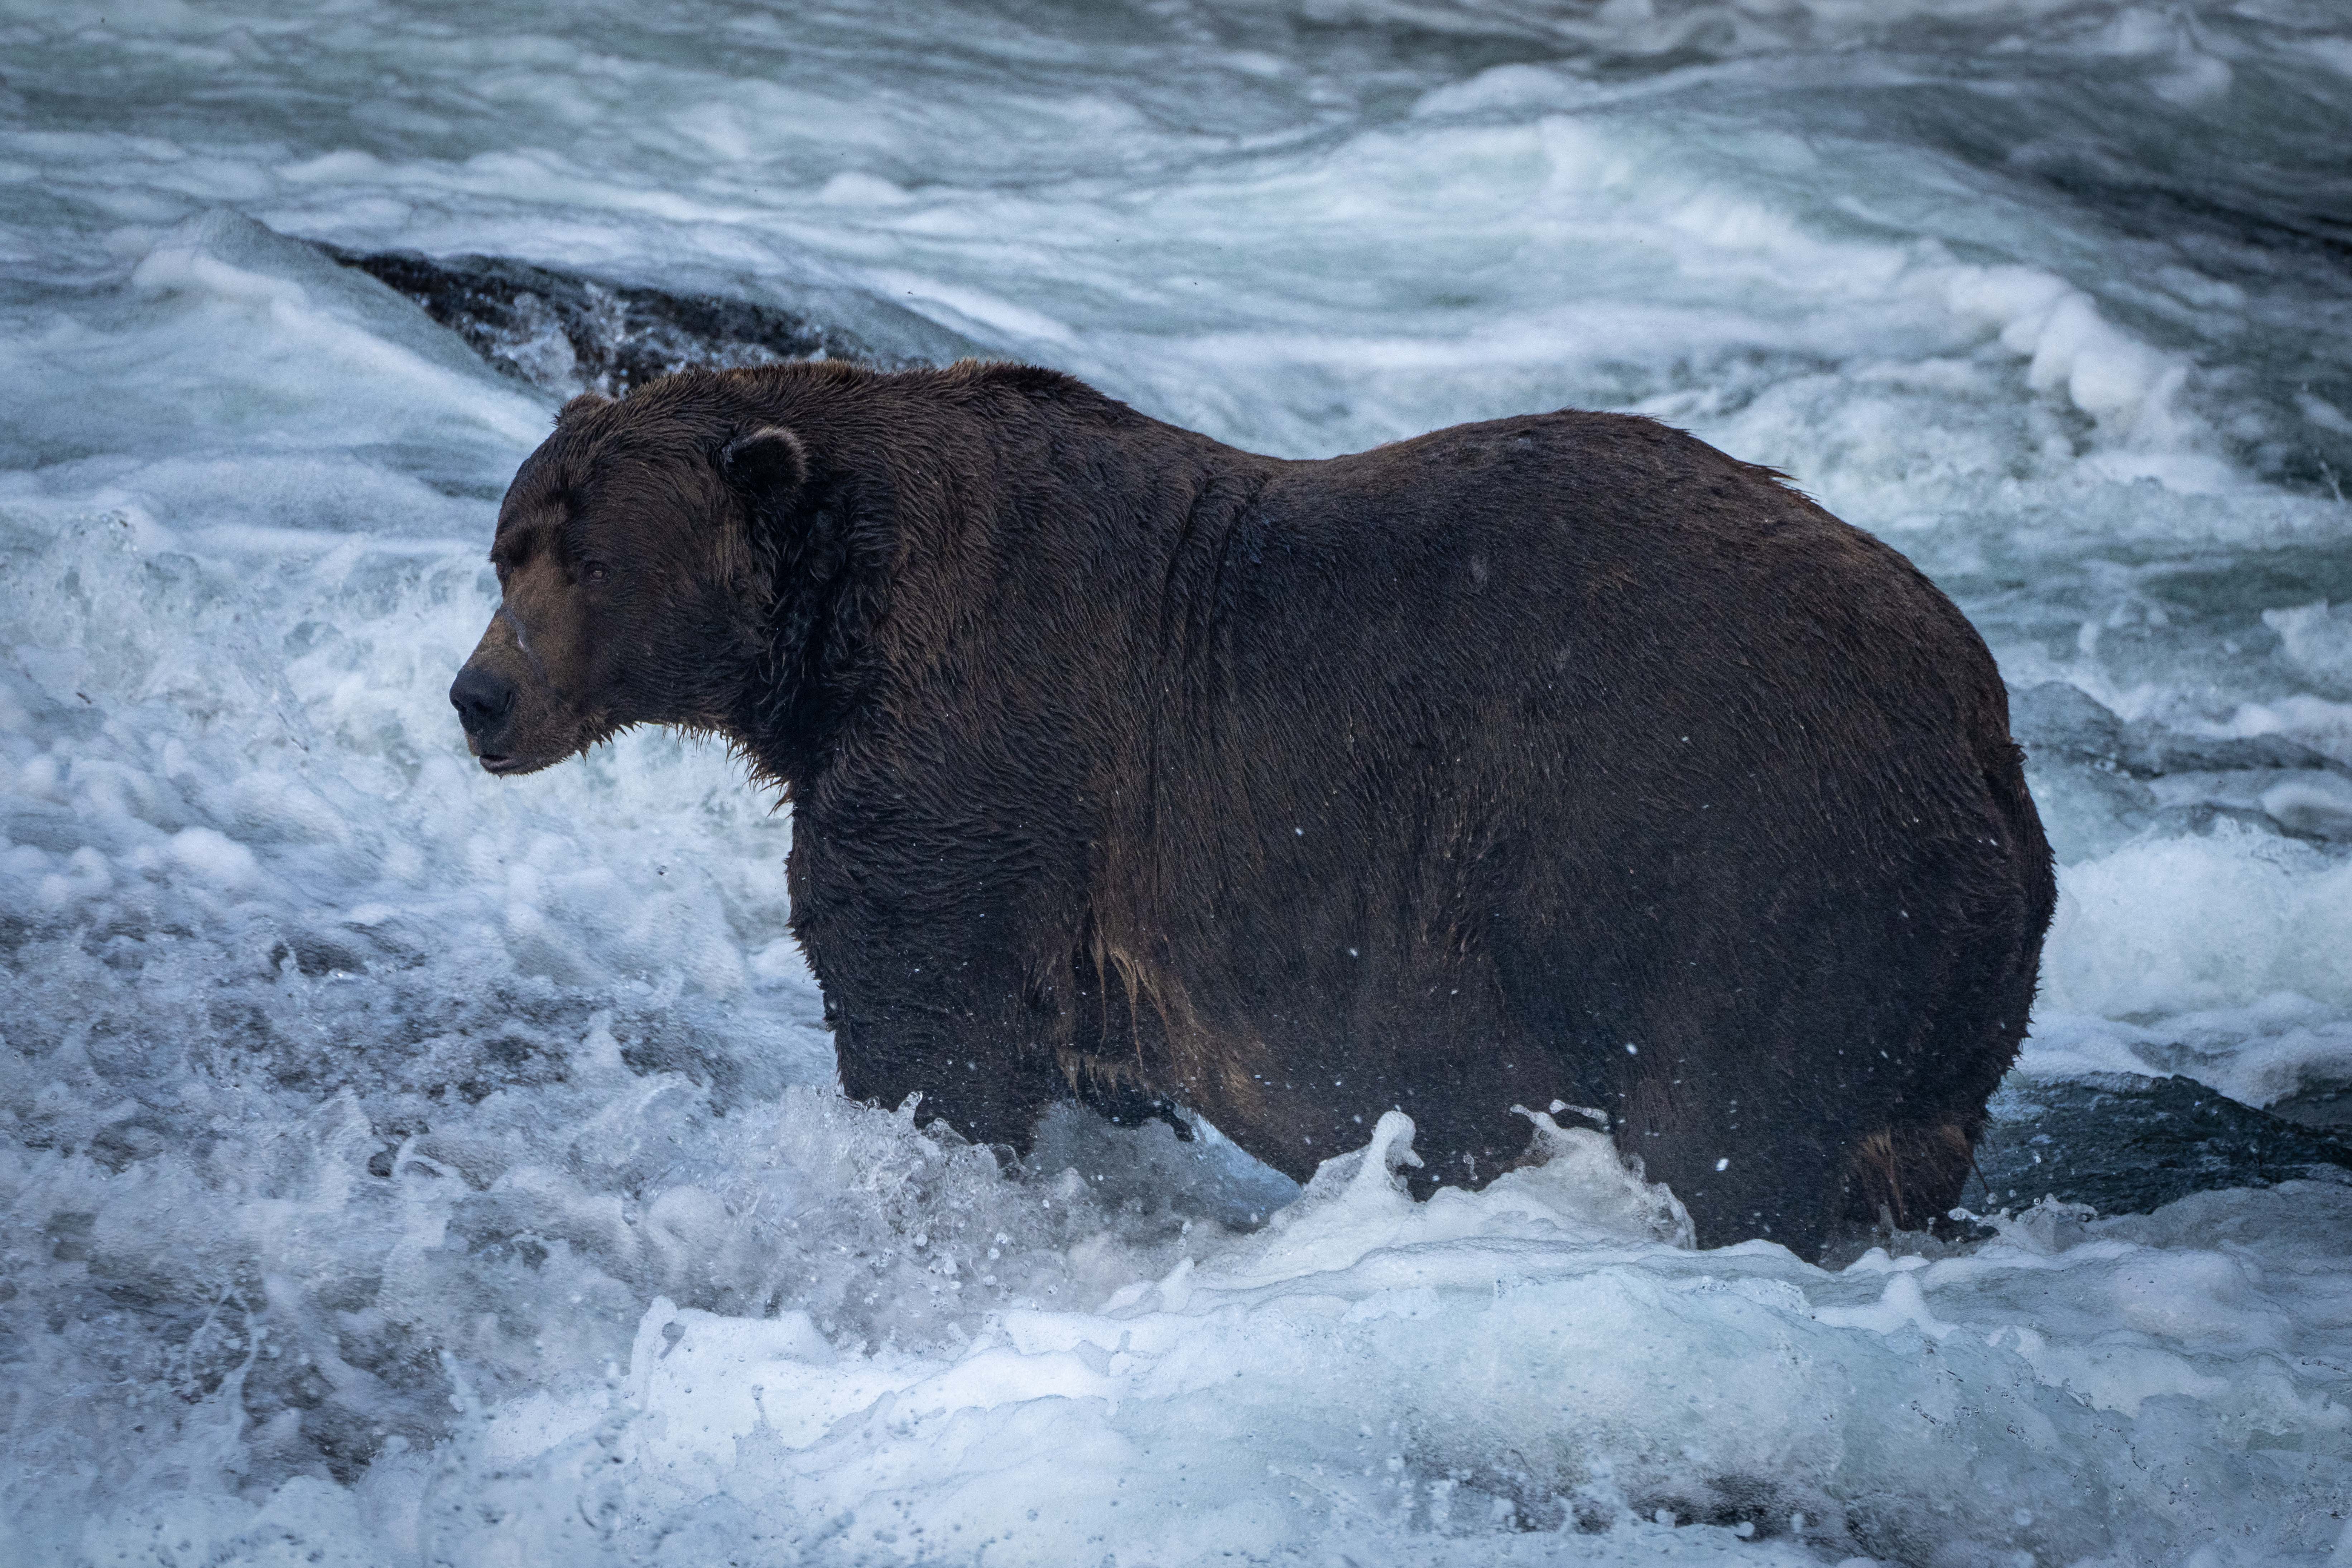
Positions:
{"x": 636, "y": 575}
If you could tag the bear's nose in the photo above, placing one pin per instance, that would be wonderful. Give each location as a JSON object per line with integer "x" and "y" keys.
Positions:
{"x": 480, "y": 698}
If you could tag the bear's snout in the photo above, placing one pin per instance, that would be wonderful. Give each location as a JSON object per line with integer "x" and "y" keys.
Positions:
{"x": 483, "y": 700}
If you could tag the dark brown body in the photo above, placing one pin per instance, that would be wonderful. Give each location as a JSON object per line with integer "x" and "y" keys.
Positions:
{"x": 1556, "y": 758}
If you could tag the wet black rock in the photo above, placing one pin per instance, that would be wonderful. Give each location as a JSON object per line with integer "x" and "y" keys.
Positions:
{"x": 570, "y": 334}
{"x": 2126, "y": 1145}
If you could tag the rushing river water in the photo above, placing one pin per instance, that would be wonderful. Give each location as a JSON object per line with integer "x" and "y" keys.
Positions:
{"x": 401, "y": 1166}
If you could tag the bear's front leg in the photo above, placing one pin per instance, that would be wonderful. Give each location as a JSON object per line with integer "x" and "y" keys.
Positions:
{"x": 964, "y": 1042}
{"x": 931, "y": 950}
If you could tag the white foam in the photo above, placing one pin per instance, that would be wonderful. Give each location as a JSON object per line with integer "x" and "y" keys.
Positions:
{"x": 2178, "y": 925}
{"x": 2317, "y": 641}
{"x": 1400, "y": 1398}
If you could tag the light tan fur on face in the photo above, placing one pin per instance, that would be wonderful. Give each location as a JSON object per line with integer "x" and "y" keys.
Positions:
{"x": 543, "y": 729}
{"x": 536, "y": 641}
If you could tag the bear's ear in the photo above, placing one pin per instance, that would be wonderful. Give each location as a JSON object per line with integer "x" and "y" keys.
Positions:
{"x": 766, "y": 466}
{"x": 580, "y": 405}
{"x": 767, "y": 469}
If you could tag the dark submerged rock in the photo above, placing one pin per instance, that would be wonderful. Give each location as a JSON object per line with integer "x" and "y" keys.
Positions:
{"x": 2132, "y": 1145}
{"x": 2325, "y": 1105}
{"x": 2054, "y": 720}
{"x": 2149, "y": 775}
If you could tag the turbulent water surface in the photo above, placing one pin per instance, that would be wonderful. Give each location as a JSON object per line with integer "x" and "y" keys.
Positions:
{"x": 401, "y": 1166}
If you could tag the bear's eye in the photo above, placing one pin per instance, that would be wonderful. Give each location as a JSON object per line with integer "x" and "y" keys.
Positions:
{"x": 595, "y": 572}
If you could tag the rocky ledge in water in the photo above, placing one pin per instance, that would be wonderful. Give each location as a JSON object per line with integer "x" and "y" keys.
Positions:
{"x": 2128, "y": 1145}
{"x": 571, "y": 335}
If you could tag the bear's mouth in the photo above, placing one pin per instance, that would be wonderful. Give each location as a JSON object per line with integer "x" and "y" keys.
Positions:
{"x": 499, "y": 762}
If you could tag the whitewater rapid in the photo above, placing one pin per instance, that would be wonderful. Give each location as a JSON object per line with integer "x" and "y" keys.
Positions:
{"x": 401, "y": 1166}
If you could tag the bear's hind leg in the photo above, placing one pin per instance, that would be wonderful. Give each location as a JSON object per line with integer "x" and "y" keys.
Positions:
{"x": 1760, "y": 1166}
{"x": 1912, "y": 1175}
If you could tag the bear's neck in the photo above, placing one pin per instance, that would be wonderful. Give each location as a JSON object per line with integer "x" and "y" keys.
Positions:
{"x": 921, "y": 486}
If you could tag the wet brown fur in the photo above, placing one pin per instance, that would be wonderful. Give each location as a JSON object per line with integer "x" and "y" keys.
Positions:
{"x": 1559, "y": 757}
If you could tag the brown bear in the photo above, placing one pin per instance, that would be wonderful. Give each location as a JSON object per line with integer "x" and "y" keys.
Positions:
{"x": 1552, "y": 759}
